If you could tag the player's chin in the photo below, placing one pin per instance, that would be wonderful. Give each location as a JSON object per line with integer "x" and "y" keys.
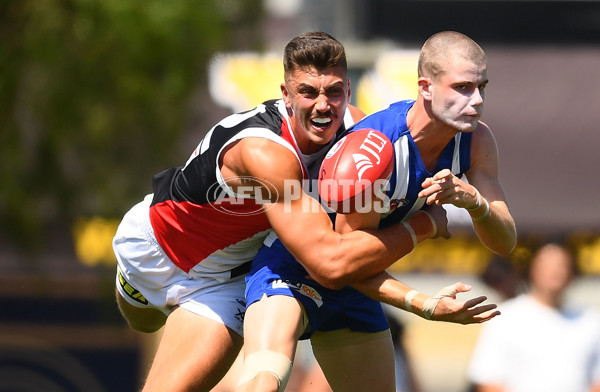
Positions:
{"x": 465, "y": 127}
{"x": 469, "y": 124}
{"x": 322, "y": 135}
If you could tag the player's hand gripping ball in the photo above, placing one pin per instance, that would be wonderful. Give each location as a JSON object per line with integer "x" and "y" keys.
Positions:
{"x": 355, "y": 170}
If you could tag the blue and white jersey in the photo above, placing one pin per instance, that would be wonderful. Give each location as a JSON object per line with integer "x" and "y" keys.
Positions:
{"x": 409, "y": 170}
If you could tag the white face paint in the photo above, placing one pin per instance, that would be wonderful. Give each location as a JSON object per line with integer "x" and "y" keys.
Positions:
{"x": 458, "y": 94}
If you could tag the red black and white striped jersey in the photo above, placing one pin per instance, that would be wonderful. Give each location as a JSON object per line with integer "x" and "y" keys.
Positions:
{"x": 197, "y": 219}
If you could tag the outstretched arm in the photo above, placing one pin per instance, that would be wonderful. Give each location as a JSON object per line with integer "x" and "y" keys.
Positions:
{"x": 385, "y": 288}
{"x": 444, "y": 306}
{"x": 483, "y": 196}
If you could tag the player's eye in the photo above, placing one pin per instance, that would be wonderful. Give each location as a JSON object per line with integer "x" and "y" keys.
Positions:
{"x": 308, "y": 93}
{"x": 335, "y": 92}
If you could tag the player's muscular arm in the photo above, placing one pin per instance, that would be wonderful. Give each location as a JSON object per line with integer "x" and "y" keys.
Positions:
{"x": 496, "y": 230}
{"x": 345, "y": 223}
{"x": 385, "y": 288}
{"x": 444, "y": 306}
{"x": 381, "y": 287}
{"x": 331, "y": 258}
{"x": 483, "y": 196}
{"x": 266, "y": 162}
{"x": 336, "y": 260}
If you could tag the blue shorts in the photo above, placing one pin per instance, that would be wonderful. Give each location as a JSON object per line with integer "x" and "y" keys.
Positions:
{"x": 276, "y": 272}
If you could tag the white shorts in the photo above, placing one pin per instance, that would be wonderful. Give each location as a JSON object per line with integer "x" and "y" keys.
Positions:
{"x": 146, "y": 277}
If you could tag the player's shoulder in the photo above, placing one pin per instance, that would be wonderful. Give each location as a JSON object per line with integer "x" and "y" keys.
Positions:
{"x": 483, "y": 139}
{"x": 391, "y": 121}
{"x": 402, "y": 106}
{"x": 399, "y": 108}
{"x": 483, "y": 131}
{"x": 523, "y": 306}
{"x": 261, "y": 157}
{"x": 356, "y": 113}
{"x": 483, "y": 128}
{"x": 264, "y": 149}
{"x": 513, "y": 312}
{"x": 520, "y": 301}
{"x": 591, "y": 315}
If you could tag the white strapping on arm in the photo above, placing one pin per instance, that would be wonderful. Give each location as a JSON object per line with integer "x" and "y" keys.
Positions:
{"x": 411, "y": 231}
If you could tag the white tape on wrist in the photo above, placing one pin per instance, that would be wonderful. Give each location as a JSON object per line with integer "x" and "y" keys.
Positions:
{"x": 408, "y": 299}
{"x": 429, "y": 307}
{"x": 432, "y": 223}
{"x": 411, "y": 231}
{"x": 477, "y": 203}
{"x": 432, "y": 303}
{"x": 486, "y": 213}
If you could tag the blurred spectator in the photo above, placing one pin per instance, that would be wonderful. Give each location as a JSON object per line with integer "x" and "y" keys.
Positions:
{"x": 540, "y": 343}
{"x": 502, "y": 276}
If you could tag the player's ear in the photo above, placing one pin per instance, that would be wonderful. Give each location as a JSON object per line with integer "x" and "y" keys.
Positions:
{"x": 349, "y": 91}
{"x": 424, "y": 84}
{"x": 285, "y": 95}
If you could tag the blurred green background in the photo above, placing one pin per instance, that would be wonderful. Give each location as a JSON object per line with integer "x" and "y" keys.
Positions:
{"x": 95, "y": 96}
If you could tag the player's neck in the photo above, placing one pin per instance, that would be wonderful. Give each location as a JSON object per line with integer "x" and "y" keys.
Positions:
{"x": 430, "y": 136}
{"x": 552, "y": 300}
{"x": 424, "y": 127}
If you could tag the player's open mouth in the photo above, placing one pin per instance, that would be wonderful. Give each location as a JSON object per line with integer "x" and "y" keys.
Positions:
{"x": 321, "y": 122}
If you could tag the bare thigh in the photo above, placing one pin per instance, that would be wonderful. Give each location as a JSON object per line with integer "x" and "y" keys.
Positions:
{"x": 363, "y": 365}
{"x": 194, "y": 353}
{"x": 141, "y": 319}
{"x": 274, "y": 323}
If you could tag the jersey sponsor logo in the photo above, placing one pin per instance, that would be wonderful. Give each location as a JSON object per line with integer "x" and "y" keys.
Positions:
{"x": 299, "y": 287}
{"x": 312, "y": 293}
{"x": 131, "y": 292}
{"x": 247, "y": 200}
{"x": 241, "y": 310}
{"x": 397, "y": 203}
{"x": 285, "y": 283}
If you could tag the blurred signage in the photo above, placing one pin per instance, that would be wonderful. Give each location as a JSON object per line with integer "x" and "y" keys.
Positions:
{"x": 462, "y": 254}
{"x": 392, "y": 78}
{"x": 240, "y": 81}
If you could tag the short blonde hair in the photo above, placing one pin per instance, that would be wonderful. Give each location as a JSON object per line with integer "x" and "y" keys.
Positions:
{"x": 441, "y": 47}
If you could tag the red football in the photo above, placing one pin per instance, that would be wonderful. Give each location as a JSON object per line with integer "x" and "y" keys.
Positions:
{"x": 358, "y": 161}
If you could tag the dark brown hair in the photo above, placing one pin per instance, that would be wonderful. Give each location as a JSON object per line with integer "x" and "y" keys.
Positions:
{"x": 314, "y": 49}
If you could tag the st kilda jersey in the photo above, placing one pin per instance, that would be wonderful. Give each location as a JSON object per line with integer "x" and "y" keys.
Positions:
{"x": 197, "y": 219}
